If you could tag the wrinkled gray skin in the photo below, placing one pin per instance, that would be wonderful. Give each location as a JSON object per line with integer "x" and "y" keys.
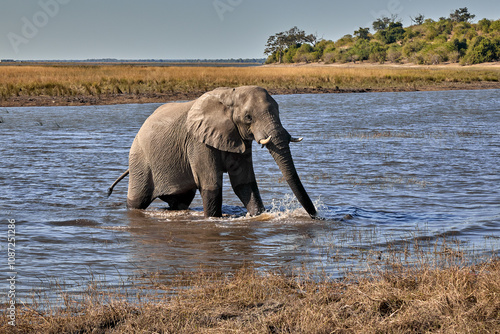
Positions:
{"x": 182, "y": 147}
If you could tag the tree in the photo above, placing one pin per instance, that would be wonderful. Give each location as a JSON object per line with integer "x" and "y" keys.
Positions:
{"x": 482, "y": 49}
{"x": 277, "y": 43}
{"x": 418, "y": 20}
{"x": 297, "y": 36}
{"x": 383, "y": 22}
{"x": 362, "y": 33}
{"x": 393, "y": 33}
{"x": 462, "y": 15}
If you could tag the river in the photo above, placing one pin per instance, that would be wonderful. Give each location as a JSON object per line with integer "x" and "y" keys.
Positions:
{"x": 387, "y": 171}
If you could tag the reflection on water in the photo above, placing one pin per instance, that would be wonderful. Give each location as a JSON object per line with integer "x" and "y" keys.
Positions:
{"x": 385, "y": 170}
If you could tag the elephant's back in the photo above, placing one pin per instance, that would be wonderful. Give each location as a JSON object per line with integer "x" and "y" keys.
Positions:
{"x": 172, "y": 110}
{"x": 162, "y": 140}
{"x": 165, "y": 119}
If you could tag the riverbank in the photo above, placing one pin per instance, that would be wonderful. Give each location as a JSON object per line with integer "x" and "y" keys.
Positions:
{"x": 60, "y": 85}
{"x": 456, "y": 299}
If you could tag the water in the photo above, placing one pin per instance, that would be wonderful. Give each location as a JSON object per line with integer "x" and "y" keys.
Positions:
{"x": 386, "y": 170}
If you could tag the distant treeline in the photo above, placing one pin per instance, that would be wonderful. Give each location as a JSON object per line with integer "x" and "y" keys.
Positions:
{"x": 454, "y": 39}
{"x": 176, "y": 61}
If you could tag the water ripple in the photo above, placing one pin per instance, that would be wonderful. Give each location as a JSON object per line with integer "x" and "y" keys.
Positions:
{"x": 387, "y": 171}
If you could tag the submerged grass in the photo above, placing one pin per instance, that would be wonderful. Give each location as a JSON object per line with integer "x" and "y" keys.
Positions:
{"x": 389, "y": 298}
{"x": 105, "y": 80}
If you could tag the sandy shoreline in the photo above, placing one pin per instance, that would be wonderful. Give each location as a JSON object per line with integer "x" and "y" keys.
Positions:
{"x": 109, "y": 99}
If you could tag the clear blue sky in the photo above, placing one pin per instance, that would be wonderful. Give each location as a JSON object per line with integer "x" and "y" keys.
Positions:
{"x": 189, "y": 29}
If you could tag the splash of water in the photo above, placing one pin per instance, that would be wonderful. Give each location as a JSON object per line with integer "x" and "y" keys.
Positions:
{"x": 284, "y": 209}
{"x": 288, "y": 207}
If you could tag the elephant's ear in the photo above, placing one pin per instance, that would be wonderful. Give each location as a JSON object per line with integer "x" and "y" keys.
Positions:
{"x": 210, "y": 121}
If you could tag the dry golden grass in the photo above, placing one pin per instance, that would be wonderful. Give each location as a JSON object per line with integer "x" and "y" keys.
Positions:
{"x": 456, "y": 299}
{"x": 104, "y": 80}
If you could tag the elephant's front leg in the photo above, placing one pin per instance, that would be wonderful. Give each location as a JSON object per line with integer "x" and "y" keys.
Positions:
{"x": 207, "y": 169}
{"x": 242, "y": 176}
{"x": 212, "y": 202}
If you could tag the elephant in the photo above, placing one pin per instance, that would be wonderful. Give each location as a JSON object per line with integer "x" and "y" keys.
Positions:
{"x": 187, "y": 146}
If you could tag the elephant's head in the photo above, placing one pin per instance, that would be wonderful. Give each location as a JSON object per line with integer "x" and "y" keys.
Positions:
{"x": 230, "y": 118}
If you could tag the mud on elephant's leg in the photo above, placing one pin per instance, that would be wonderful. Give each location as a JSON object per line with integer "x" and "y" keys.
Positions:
{"x": 179, "y": 201}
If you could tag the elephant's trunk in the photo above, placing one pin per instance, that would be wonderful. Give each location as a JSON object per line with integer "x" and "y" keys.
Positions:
{"x": 281, "y": 154}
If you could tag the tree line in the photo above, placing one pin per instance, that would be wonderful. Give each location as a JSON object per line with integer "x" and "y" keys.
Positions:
{"x": 454, "y": 39}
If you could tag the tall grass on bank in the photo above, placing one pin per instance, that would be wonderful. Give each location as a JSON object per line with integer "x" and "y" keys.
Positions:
{"x": 440, "y": 292}
{"x": 453, "y": 300}
{"x": 79, "y": 80}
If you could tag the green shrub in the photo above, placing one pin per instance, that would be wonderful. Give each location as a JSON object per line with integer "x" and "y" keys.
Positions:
{"x": 482, "y": 49}
{"x": 464, "y": 30}
{"x": 410, "y": 33}
{"x": 329, "y": 57}
{"x": 483, "y": 25}
{"x": 289, "y": 54}
{"x": 417, "y": 58}
{"x": 440, "y": 39}
{"x": 495, "y": 26}
{"x": 470, "y": 34}
{"x": 378, "y": 53}
{"x": 454, "y": 57}
{"x": 434, "y": 54}
{"x": 346, "y": 40}
{"x": 445, "y": 27}
{"x": 395, "y": 54}
{"x": 304, "y": 54}
{"x": 413, "y": 47}
{"x": 343, "y": 56}
{"x": 272, "y": 58}
{"x": 458, "y": 45}
{"x": 431, "y": 33}
{"x": 361, "y": 50}
{"x": 323, "y": 47}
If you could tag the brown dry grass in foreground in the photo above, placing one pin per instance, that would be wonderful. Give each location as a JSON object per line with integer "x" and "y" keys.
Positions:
{"x": 403, "y": 300}
{"x": 104, "y": 84}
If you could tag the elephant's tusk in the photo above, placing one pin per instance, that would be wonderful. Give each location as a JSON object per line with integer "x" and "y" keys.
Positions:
{"x": 265, "y": 141}
{"x": 296, "y": 140}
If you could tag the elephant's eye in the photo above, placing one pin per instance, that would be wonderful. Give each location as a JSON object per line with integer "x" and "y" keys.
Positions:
{"x": 248, "y": 118}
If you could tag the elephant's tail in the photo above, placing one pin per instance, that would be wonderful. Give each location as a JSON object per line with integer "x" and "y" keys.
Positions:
{"x": 110, "y": 189}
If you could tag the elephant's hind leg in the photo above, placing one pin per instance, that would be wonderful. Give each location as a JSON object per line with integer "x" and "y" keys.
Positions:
{"x": 140, "y": 185}
{"x": 141, "y": 203}
{"x": 179, "y": 201}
